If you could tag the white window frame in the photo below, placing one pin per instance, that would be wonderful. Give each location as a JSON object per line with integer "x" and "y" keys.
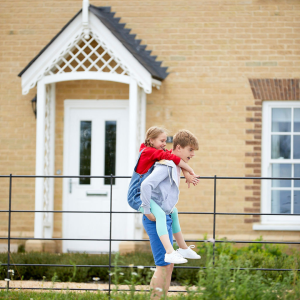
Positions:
{"x": 289, "y": 223}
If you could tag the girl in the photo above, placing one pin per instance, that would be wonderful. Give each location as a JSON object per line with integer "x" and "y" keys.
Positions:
{"x": 151, "y": 151}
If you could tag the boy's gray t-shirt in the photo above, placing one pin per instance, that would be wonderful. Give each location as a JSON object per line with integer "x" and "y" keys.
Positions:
{"x": 162, "y": 186}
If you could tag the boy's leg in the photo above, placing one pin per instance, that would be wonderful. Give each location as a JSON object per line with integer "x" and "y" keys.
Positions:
{"x": 162, "y": 276}
{"x": 160, "y": 281}
{"x": 161, "y": 226}
{"x": 177, "y": 230}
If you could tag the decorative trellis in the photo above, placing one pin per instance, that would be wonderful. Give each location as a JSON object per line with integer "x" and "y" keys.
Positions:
{"x": 46, "y": 193}
{"x": 86, "y": 55}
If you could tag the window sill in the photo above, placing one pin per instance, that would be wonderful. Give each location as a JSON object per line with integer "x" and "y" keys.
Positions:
{"x": 277, "y": 227}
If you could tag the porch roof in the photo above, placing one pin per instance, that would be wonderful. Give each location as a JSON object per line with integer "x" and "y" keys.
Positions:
{"x": 129, "y": 41}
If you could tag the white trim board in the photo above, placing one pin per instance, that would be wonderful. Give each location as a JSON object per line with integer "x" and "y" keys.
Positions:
{"x": 277, "y": 227}
{"x": 273, "y": 222}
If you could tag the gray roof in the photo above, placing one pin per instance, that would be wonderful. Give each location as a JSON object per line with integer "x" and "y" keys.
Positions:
{"x": 129, "y": 41}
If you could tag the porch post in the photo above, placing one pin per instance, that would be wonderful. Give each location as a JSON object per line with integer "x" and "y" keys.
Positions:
{"x": 133, "y": 98}
{"x": 132, "y": 146}
{"x": 48, "y": 217}
{"x": 40, "y": 155}
{"x": 143, "y": 115}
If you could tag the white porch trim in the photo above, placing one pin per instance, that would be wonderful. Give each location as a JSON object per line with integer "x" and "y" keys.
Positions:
{"x": 66, "y": 41}
{"x": 40, "y": 151}
{"x": 86, "y": 76}
{"x": 133, "y": 103}
{"x": 44, "y": 188}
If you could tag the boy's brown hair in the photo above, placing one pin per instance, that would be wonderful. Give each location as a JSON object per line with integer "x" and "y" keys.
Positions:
{"x": 185, "y": 138}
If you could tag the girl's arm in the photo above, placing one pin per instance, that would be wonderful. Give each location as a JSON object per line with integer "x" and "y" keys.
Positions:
{"x": 185, "y": 166}
{"x": 158, "y": 155}
{"x": 190, "y": 178}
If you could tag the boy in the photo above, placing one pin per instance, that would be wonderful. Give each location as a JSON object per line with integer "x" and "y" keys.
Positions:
{"x": 162, "y": 186}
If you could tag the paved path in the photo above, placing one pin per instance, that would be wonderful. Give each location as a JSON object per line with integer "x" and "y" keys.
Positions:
{"x": 80, "y": 287}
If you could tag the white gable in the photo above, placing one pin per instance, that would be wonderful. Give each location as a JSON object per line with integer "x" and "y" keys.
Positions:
{"x": 71, "y": 55}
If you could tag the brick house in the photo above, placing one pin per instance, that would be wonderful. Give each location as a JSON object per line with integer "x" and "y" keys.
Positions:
{"x": 98, "y": 74}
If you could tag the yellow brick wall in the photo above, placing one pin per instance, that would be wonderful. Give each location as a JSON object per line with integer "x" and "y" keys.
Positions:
{"x": 211, "y": 49}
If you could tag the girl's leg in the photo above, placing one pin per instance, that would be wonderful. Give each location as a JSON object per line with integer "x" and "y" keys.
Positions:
{"x": 177, "y": 230}
{"x": 161, "y": 226}
{"x": 184, "y": 250}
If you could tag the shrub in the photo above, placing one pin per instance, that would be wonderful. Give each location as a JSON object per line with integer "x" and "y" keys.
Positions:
{"x": 256, "y": 255}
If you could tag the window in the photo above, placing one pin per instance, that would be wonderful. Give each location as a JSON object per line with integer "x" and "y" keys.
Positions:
{"x": 110, "y": 150}
{"x": 280, "y": 158}
{"x": 85, "y": 151}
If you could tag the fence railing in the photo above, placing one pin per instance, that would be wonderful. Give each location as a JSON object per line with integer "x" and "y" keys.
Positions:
{"x": 110, "y": 240}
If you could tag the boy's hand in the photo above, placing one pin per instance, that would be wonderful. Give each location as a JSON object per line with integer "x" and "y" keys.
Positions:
{"x": 191, "y": 178}
{"x": 151, "y": 217}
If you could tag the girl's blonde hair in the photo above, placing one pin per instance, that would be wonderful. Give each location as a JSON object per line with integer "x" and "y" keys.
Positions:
{"x": 152, "y": 133}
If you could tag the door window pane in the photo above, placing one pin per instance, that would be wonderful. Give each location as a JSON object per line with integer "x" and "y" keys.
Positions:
{"x": 297, "y": 174}
{"x": 281, "y": 146}
{"x": 281, "y": 202}
{"x": 281, "y": 120}
{"x": 296, "y": 202}
{"x": 281, "y": 170}
{"x": 297, "y": 146}
{"x": 110, "y": 150}
{"x": 297, "y": 119}
{"x": 85, "y": 151}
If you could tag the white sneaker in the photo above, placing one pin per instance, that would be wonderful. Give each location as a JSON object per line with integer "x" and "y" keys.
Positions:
{"x": 175, "y": 258}
{"x": 189, "y": 253}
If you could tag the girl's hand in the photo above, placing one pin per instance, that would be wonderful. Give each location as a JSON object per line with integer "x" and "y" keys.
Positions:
{"x": 191, "y": 179}
{"x": 150, "y": 217}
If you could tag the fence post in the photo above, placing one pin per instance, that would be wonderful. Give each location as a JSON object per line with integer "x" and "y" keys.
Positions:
{"x": 110, "y": 222}
{"x": 8, "y": 239}
{"x": 214, "y": 228}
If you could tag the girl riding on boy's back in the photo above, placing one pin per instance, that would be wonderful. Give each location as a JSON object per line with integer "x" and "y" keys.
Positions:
{"x": 151, "y": 151}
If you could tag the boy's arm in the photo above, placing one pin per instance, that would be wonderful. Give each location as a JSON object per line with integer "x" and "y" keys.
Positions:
{"x": 190, "y": 178}
{"x": 150, "y": 183}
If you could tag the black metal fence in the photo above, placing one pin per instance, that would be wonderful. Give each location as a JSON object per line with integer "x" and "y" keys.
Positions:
{"x": 110, "y": 240}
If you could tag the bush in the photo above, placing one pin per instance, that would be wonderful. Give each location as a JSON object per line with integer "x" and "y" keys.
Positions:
{"x": 218, "y": 281}
{"x": 84, "y": 274}
{"x": 256, "y": 255}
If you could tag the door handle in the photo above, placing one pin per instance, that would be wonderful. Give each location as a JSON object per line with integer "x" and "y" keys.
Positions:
{"x": 96, "y": 193}
{"x": 70, "y": 185}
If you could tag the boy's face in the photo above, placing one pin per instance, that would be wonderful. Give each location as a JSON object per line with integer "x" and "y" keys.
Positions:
{"x": 186, "y": 153}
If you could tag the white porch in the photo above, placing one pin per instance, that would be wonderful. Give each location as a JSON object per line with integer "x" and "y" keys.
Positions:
{"x": 84, "y": 50}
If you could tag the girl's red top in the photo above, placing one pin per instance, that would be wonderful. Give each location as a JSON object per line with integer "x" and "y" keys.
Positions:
{"x": 150, "y": 155}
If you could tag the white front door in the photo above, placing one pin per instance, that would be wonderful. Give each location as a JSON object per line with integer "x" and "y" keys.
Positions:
{"x": 95, "y": 143}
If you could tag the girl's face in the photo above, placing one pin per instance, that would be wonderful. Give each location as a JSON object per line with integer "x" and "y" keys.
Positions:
{"x": 160, "y": 142}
